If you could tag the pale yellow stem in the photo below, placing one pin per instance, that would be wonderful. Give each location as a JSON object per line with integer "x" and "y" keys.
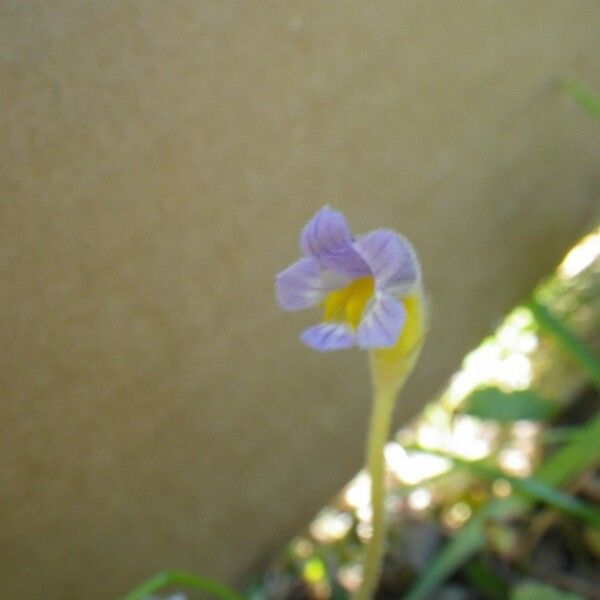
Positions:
{"x": 389, "y": 370}
{"x": 383, "y": 405}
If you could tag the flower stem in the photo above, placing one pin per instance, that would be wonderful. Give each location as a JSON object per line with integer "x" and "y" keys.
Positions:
{"x": 383, "y": 404}
{"x": 390, "y": 369}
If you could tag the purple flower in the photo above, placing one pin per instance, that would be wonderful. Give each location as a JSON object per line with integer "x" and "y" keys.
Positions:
{"x": 360, "y": 282}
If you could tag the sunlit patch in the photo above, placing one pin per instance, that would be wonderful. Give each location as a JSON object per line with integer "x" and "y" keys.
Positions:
{"x": 358, "y": 492}
{"x": 526, "y": 430}
{"x": 364, "y": 513}
{"x": 347, "y": 304}
{"x": 314, "y": 570}
{"x": 457, "y": 515}
{"x": 502, "y": 360}
{"x": 420, "y": 499}
{"x": 314, "y": 573}
{"x": 414, "y": 467}
{"x": 395, "y": 455}
{"x": 302, "y": 548}
{"x": 350, "y": 577}
{"x": 330, "y": 526}
{"x": 471, "y": 438}
{"x": 464, "y": 436}
{"x": 501, "y": 488}
{"x": 582, "y": 256}
{"x": 515, "y": 462}
{"x": 364, "y": 530}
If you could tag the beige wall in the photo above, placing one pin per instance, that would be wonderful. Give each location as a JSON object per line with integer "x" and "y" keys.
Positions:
{"x": 158, "y": 160}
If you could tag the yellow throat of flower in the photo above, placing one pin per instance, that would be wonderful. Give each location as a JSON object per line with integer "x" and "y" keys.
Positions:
{"x": 347, "y": 304}
{"x": 391, "y": 366}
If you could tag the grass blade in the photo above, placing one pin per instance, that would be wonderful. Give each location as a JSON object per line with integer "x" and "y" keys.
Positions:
{"x": 573, "y": 458}
{"x": 184, "y": 580}
{"x": 559, "y": 468}
{"x": 590, "y": 102}
{"x": 540, "y": 491}
{"x": 490, "y": 402}
{"x": 570, "y": 343}
{"x": 469, "y": 540}
{"x": 537, "y": 490}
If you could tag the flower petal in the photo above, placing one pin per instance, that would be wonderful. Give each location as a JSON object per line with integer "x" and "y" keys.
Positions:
{"x": 300, "y": 285}
{"x": 381, "y": 323}
{"x": 328, "y": 336}
{"x": 391, "y": 258}
{"x": 327, "y": 238}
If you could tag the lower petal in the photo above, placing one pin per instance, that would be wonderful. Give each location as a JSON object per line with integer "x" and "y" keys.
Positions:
{"x": 381, "y": 323}
{"x": 328, "y": 336}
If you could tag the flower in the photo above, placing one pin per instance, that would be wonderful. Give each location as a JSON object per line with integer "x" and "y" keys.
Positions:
{"x": 362, "y": 283}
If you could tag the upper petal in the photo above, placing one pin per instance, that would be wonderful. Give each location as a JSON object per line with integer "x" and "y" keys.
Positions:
{"x": 327, "y": 238}
{"x": 381, "y": 323}
{"x": 328, "y": 336}
{"x": 391, "y": 259}
{"x": 301, "y": 285}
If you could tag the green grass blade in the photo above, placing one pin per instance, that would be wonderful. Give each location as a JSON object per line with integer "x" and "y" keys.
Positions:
{"x": 573, "y": 458}
{"x": 558, "y": 469}
{"x": 570, "y": 343}
{"x": 184, "y": 580}
{"x": 540, "y": 491}
{"x": 463, "y": 547}
{"x": 468, "y": 541}
{"x": 490, "y": 402}
{"x": 531, "y": 590}
{"x": 488, "y": 583}
{"x": 590, "y": 102}
{"x": 537, "y": 490}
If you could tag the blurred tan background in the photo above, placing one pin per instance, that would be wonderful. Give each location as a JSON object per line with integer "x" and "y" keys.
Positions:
{"x": 158, "y": 160}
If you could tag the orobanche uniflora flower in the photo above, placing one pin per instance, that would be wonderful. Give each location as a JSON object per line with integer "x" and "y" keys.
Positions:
{"x": 371, "y": 293}
{"x": 362, "y": 283}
